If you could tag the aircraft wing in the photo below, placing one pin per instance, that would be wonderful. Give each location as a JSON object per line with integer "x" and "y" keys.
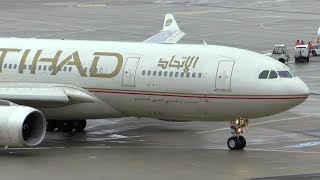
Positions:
{"x": 44, "y": 94}
{"x": 170, "y": 33}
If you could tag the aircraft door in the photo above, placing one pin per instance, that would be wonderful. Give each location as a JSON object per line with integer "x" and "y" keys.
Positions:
{"x": 129, "y": 71}
{"x": 223, "y": 76}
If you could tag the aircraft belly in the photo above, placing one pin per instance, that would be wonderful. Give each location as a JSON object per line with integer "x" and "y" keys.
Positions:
{"x": 197, "y": 108}
{"x": 160, "y": 107}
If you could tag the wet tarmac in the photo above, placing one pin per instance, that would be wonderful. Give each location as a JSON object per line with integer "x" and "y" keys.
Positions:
{"x": 284, "y": 146}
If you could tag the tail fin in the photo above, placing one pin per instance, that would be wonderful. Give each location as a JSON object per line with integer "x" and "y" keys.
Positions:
{"x": 170, "y": 33}
{"x": 170, "y": 23}
{"x": 319, "y": 31}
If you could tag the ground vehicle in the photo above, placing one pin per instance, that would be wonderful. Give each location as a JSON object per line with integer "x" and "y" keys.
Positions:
{"x": 315, "y": 50}
{"x": 280, "y": 53}
{"x": 301, "y": 53}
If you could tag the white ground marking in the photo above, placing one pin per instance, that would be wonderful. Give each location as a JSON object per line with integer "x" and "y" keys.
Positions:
{"x": 265, "y": 27}
{"x": 90, "y": 5}
{"x": 118, "y": 136}
{"x": 255, "y": 124}
{"x": 280, "y": 150}
{"x": 303, "y": 145}
{"x": 163, "y": 147}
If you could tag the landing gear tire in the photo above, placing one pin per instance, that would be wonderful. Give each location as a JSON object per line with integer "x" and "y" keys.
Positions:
{"x": 314, "y": 53}
{"x": 243, "y": 142}
{"x": 80, "y": 125}
{"x": 65, "y": 126}
{"x": 233, "y": 143}
{"x": 51, "y": 125}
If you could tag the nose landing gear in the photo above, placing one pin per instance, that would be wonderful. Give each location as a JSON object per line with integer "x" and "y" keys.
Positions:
{"x": 237, "y": 142}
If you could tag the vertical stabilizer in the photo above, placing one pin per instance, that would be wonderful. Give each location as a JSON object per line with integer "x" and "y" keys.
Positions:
{"x": 170, "y": 23}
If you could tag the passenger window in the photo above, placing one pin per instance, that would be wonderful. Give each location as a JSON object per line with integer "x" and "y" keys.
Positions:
{"x": 160, "y": 73}
{"x": 165, "y": 73}
{"x": 39, "y": 67}
{"x": 182, "y": 74}
{"x": 176, "y": 74}
{"x": 199, "y": 75}
{"x": 171, "y": 74}
{"x": 273, "y": 75}
{"x": 10, "y": 65}
{"x": 15, "y": 66}
{"x": 193, "y": 75}
{"x": 50, "y": 68}
{"x": 70, "y": 69}
{"x": 188, "y": 75}
{"x": 85, "y": 69}
{"x": 45, "y": 67}
{"x": 149, "y": 73}
{"x": 264, "y": 74}
{"x": 64, "y": 68}
{"x": 5, "y": 66}
{"x": 154, "y": 73}
{"x": 143, "y": 72}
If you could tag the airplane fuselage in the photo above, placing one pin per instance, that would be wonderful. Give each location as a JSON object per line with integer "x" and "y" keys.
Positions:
{"x": 164, "y": 81}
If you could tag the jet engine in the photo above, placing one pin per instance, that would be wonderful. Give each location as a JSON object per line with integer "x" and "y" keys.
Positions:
{"x": 21, "y": 126}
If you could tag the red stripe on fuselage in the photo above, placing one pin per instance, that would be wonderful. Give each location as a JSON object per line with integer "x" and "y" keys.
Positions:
{"x": 197, "y": 96}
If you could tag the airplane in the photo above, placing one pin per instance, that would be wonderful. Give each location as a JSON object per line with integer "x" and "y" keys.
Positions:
{"x": 48, "y": 84}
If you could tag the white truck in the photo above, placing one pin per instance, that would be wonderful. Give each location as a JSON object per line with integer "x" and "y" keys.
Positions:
{"x": 301, "y": 53}
{"x": 280, "y": 53}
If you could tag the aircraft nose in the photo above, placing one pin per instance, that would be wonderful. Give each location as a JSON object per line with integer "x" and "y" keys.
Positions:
{"x": 302, "y": 88}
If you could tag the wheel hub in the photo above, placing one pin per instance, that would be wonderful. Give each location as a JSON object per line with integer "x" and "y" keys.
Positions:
{"x": 232, "y": 143}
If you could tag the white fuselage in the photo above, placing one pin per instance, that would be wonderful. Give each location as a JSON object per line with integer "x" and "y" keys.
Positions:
{"x": 164, "y": 81}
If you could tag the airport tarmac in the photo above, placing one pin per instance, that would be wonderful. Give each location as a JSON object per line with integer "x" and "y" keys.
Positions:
{"x": 284, "y": 146}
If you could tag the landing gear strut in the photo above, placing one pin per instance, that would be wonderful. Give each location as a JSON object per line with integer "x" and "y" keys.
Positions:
{"x": 237, "y": 142}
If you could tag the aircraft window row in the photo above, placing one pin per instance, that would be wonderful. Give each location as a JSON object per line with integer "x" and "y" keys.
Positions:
{"x": 171, "y": 74}
{"x": 266, "y": 74}
{"x": 49, "y": 68}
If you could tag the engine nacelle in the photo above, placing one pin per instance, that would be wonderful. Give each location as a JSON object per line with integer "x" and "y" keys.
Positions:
{"x": 21, "y": 126}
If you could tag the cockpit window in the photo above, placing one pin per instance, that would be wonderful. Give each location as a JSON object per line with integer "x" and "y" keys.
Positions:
{"x": 284, "y": 74}
{"x": 273, "y": 75}
{"x": 264, "y": 74}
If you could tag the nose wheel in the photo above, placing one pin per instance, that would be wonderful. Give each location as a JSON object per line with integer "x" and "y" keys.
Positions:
{"x": 237, "y": 142}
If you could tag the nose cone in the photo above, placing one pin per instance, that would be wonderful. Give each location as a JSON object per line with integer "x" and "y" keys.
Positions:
{"x": 302, "y": 88}
{"x": 300, "y": 92}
